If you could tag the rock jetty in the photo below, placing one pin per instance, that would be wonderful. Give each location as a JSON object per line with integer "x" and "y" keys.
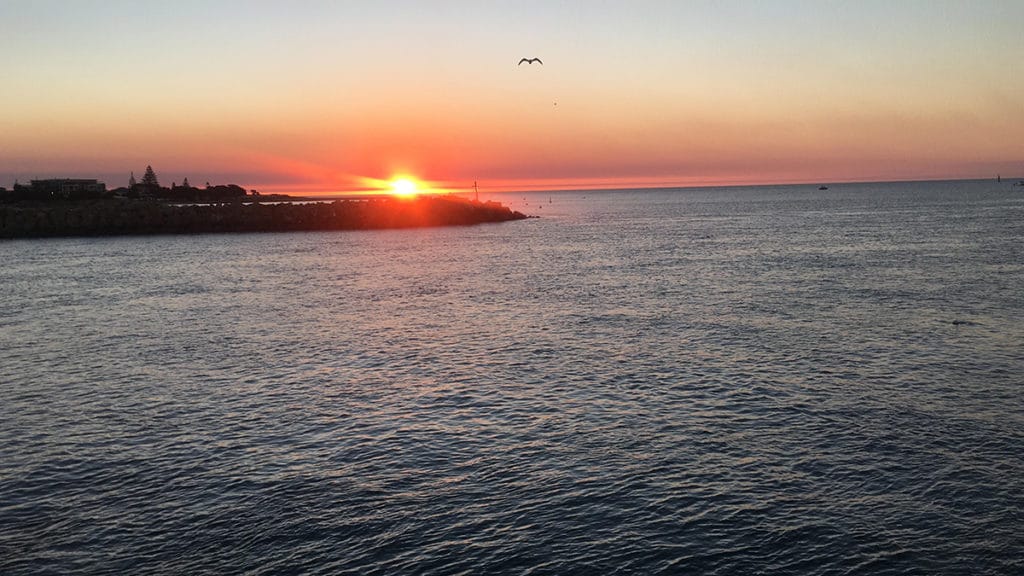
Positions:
{"x": 124, "y": 216}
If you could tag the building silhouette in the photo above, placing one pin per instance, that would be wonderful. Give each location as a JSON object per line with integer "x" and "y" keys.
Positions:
{"x": 59, "y": 189}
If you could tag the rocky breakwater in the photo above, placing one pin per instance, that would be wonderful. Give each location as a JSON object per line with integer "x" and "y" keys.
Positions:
{"x": 113, "y": 217}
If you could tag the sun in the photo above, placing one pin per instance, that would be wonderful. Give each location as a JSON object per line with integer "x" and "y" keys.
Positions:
{"x": 404, "y": 187}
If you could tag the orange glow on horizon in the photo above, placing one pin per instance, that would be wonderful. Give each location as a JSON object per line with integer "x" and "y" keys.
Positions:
{"x": 404, "y": 187}
{"x": 400, "y": 185}
{"x": 377, "y": 187}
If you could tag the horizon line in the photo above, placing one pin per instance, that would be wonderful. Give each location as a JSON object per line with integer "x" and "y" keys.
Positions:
{"x": 564, "y": 186}
{"x": 625, "y": 186}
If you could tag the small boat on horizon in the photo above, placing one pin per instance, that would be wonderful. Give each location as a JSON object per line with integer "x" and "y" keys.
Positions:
{"x": 822, "y": 187}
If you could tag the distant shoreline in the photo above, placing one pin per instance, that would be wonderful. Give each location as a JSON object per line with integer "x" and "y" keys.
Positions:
{"x": 554, "y": 189}
{"x": 116, "y": 217}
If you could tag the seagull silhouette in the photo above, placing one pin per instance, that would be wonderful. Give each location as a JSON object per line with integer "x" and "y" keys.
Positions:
{"x": 529, "y": 61}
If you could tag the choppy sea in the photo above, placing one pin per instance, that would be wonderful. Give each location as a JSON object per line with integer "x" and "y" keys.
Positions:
{"x": 759, "y": 380}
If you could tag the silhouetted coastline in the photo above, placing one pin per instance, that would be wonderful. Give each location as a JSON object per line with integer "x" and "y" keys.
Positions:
{"x": 107, "y": 217}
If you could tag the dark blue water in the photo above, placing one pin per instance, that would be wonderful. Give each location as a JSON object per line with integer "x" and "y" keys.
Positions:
{"x": 735, "y": 381}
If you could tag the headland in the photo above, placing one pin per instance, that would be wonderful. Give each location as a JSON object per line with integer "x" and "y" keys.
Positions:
{"x": 122, "y": 216}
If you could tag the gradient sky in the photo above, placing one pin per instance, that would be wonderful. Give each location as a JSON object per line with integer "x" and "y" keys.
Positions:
{"x": 325, "y": 96}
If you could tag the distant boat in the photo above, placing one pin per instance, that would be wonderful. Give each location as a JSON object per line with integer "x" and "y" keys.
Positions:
{"x": 822, "y": 187}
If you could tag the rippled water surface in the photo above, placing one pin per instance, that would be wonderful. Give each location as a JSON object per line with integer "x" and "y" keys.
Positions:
{"x": 734, "y": 381}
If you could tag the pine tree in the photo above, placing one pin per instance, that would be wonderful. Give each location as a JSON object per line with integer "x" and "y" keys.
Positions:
{"x": 185, "y": 183}
{"x": 149, "y": 178}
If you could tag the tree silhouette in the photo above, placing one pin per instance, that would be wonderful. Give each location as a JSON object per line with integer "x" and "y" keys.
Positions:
{"x": 149, "y": 178}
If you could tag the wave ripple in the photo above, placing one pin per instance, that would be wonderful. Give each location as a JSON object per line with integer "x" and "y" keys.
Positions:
{"x": 763, "y": 381}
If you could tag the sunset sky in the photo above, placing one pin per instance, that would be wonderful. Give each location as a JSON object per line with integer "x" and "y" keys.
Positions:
{"x": 330, "y": 96}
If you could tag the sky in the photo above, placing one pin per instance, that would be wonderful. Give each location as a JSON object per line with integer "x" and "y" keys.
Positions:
{"x": 313, "y": 96}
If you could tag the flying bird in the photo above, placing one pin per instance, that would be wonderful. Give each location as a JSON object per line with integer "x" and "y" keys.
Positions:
{"x": 529, "y": 61}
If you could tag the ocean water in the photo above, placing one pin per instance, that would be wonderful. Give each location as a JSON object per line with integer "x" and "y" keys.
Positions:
{"x": 774, "y": 380}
